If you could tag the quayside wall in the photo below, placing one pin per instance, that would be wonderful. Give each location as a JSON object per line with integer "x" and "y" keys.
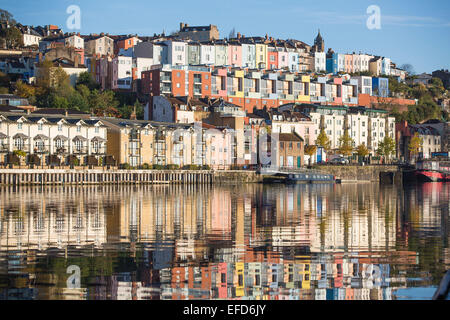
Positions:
{"x": 357, "y": 173}
{"x": 93, "y": 176}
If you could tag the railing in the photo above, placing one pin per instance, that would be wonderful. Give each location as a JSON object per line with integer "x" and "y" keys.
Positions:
{"x": 61, "y": 150}
{"x": 25, "y": 148}
{"x": 41, "y": 150}
{"x": 80, "y": 150}
{"x": 98, "y": 151}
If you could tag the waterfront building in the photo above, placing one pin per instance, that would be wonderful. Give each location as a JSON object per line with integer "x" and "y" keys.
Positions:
{"x": 365, "y": 125}
{"x": 429, "y": 134}
{"x": 52, "y": 140}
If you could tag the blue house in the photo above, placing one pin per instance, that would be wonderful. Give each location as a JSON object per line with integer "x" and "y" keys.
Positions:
{"x": 380, "y": 87}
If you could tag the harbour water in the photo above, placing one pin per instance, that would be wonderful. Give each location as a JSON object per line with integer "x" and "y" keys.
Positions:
{"x": 254, "y": 241}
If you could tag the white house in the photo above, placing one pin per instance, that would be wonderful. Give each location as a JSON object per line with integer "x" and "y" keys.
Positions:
{"x": 122, "y": 73}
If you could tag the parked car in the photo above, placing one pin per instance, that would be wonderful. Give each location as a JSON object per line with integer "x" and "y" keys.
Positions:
{"x": 339, "y": 160}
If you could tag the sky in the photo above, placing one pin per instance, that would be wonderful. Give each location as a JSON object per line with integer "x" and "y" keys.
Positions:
{"x": 410, "y": 31}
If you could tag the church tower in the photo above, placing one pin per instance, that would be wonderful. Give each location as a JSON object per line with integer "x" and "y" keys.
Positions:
{"x": 319, "y": 44}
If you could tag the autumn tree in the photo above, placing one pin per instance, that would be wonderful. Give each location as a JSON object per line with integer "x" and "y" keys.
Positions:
{"x": 26, "y": 91}
{"x": 310, "y": 150}
{"x": 414, "y": 145}
{"x": 386, "y": 148}
{"x": 345, "y": 144}
{"x": 323, "y": 140}
{"x": 362, "y": 150}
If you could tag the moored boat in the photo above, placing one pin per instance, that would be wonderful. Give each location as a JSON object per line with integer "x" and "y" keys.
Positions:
{"x": 433, "y": 171}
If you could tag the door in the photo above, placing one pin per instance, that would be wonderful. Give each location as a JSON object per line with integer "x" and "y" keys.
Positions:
{"x": 298, "y": 162}
{"x": 290, "y": 161}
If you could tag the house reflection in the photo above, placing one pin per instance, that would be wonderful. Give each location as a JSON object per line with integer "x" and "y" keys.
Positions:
{"x": 202, "y": 242}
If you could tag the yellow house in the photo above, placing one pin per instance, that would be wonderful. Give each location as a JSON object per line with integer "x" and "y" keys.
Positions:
{"x": 261, "y": 55}
{"x": 238, "y": 84}
{"x": 304, "y": 93}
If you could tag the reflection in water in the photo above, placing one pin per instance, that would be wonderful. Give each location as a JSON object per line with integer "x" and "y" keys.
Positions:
{"x": 355, "y": 241}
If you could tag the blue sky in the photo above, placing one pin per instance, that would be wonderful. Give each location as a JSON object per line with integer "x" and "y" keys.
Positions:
{"x": 413, "y": 31}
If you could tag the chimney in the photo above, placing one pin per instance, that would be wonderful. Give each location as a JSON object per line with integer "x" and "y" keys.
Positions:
{"x": 77, "y": 56}
{"x": 66, "y": 113}
{"x": 238, "y": 35}
{"x": 181, "y": 26}
{"x": 267, "y": 36}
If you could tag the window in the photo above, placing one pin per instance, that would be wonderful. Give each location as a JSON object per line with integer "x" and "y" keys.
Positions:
{"x": 19, "y": 126}
{"x": 59, "y": 127}
{"x": 40, "y": 126}
{"x": 78, "y": 128}
{"x": 97, "y": 129}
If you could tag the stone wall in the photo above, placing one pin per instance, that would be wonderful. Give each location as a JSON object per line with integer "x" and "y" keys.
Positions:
{"x": 236, "y": 177}
{"x": 356, "y": 172}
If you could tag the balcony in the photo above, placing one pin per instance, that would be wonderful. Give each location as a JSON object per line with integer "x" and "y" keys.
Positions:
{"x": 80, "y": 150}
{"x": 4, "y": 148}
{"x": 98, "y": 151}
{"x": 61, "y": 150}
{"x": 41, "y": 149}
{"x": 25, "y": 148}
{"x": 166, "y": 79}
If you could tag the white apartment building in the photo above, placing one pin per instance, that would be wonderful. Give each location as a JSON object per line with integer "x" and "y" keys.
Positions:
{"x": 122, "y": 73}
{"x": 364, "y": 84}
{"x": 319, "y": 62}
{"x": 176, "y": 52}
{"x": 365, "y": 126}
{"x": 207, "y": 54}
{"x": 31, "y": 40}
{"x": 74, "y": 41}
{"x": 52, "y": 136}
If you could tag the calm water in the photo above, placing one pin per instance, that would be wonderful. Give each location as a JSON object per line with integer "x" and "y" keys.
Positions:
{"x": 350, "y": 241}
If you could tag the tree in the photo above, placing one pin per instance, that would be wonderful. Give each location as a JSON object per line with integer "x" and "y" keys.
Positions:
{"x": 362, "y": 150}
{"x": 345, "y": 144}
{"x": 408, "y": 68}
{"x": 7, "y": 17}
{"x": 26, "y": 91}
{"x": 86, "y": 78}
{"x": 387, "y": 147}
{"x": 415, "y": 144}
{"x": 104, "y": 104}
{"x": 310, "y": 150}
{"x": 323, "y": 140}
{"x": 43, "y": 74}
{"x": 12, "y": 37}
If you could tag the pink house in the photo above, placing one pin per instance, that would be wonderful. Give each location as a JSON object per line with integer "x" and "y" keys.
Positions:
{"x": 348, "y": 63}
{"x": 283, "y": 58}
{"x": 235, "y": 55}
{"x": 220, "y": 89}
